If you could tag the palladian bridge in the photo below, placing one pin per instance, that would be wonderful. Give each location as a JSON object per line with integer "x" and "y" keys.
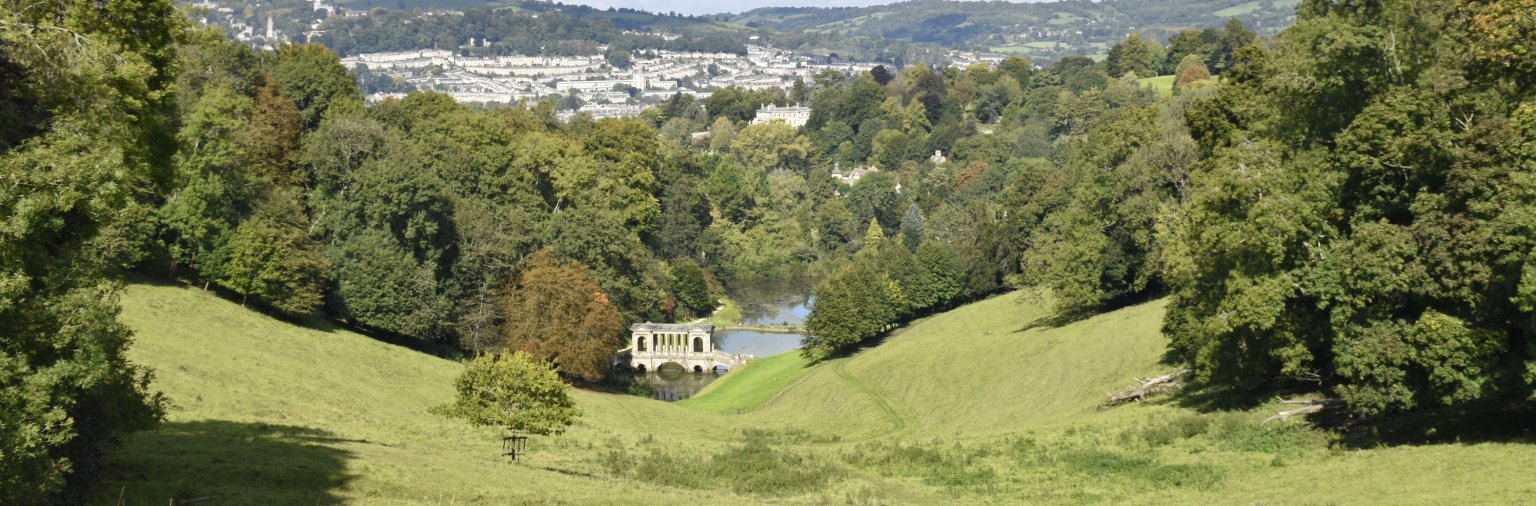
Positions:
{"x": 691, "y": 345}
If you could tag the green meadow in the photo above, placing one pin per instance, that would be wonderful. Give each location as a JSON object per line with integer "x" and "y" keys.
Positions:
{"x": 1238, "y": 10}
{"x": 750, "y": 386}
{"x": 994, "y": 402}
{"x": 1163, "y": 85}
{"x": 729, "y": 314}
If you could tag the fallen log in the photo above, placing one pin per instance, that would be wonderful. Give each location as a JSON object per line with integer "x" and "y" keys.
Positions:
{"x": 1308, "y": 406}
{"x": 1146, "y": 387}
{"x": 1282, "y": 415}
{"x": 1309, "y": 402}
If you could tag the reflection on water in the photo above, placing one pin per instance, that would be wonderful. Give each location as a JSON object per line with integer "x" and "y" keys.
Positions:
{"x": 761, "y": 344}
{"x": 773, "y": 303}
{"x": 673, "y": 383}
{"x": 762, "y": 303}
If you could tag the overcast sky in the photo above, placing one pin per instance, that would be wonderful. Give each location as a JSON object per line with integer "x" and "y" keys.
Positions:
{"x": 718, "y": 6}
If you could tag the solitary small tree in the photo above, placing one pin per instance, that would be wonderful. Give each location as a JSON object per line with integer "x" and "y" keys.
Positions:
{"x": 514, "y": 391}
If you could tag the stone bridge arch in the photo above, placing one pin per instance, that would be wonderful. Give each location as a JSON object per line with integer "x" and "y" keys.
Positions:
{"x": 691, "y": 345}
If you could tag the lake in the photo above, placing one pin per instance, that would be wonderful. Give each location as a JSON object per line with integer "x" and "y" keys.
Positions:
{"x": 761, "y": 303}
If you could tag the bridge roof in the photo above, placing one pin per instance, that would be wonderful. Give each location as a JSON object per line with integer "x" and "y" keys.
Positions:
{"x": 672, "y": 327}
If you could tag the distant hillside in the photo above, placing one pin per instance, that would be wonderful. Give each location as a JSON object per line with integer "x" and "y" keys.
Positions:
{"x": 1044, "y": 31}
{"x": 1072, "y": 27}
{"x": 623, "y": 19}
{"x": 524, "y": 27}
{"x": 901, "y": 33}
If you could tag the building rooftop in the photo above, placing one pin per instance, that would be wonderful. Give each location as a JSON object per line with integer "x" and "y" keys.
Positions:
{"x": 672, "y": 327}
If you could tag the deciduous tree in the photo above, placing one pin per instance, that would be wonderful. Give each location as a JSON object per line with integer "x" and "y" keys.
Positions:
{"x": 313, "y": 78}
{"x": 90, "y": 87}
{"x": 273, "y": 143}
{"x": 1134, "y": 55}
{"x": 515, "y": 391}
{"x": 853, "y": 305}
{"x": 556, "y": 311}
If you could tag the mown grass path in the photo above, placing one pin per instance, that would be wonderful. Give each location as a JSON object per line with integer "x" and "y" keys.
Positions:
{"x": 881, "y": 400}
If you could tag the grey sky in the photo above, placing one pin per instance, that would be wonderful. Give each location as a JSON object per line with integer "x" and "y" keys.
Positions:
{"x": 718, "y": 6}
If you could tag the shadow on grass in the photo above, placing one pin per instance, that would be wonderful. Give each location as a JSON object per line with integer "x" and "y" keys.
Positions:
{"x": 227, "y": 463}
{"x": 1487, "y": 422}
{"x": 1056, "y": 320}
{"x": 319, "y": 323}
{"x": 1210, "y": 398}
{"x": 1067, "y": 316}
{"x": 568, "y": 472}
{"x": 1469, "y": 424}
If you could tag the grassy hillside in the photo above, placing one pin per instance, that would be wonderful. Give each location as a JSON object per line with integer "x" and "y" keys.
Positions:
{"x": 982, "y": 404}
{"x": 271, "y": 413}
{"x": 1163, "y": 85}
{"x": 750, "y": 386}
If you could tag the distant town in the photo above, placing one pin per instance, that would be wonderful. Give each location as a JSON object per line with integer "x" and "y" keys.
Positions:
{"x": 605, "y": 91}
{"x": 586, "y": 84}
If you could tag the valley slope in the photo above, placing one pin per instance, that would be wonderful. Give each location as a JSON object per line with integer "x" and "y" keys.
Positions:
{"x": 981, "y": 404}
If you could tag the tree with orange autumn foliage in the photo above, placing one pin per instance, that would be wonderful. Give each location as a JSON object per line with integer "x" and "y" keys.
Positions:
{"x": 274, "y": 142}
{"x": 555, "y": 311}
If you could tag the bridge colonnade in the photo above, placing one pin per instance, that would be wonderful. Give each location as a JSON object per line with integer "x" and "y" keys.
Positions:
{"x": 673, "y": 342}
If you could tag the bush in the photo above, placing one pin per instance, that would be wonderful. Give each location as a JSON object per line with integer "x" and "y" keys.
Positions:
{"x": 1183, "y": 427}
{"x": 753, "y": 467}
{"x": 1240, "y": 433}
{"x": 513, "y": 391}
{"x": 955, "y": 467}
{"x": 1105, "y": 464}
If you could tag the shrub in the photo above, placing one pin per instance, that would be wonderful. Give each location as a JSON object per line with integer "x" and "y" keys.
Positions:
{"x": 513, "y": 391}
{"x": 1183, "y": 427}
{"x": 752, "y": 467}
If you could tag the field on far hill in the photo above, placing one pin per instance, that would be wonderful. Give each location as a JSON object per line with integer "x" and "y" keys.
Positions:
{"x": 1163, "y": 85}
{"x": 987, "y": 403}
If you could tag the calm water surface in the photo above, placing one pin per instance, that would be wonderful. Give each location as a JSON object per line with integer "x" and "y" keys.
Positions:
{"x": 776, "y": 303}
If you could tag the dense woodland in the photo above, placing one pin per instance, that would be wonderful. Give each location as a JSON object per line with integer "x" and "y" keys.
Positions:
{"x": 1345, "y": 208}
